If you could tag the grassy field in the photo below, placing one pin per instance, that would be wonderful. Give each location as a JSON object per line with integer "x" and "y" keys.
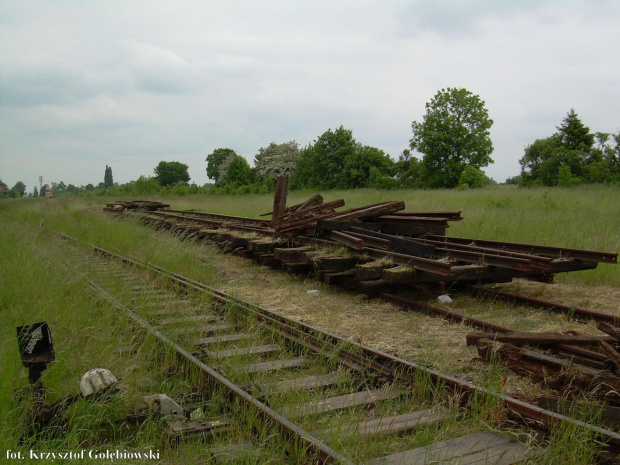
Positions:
{"x": 38, "y": 282}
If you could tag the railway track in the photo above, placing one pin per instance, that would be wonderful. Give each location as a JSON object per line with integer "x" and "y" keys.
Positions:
{"x": 332, "y": 399}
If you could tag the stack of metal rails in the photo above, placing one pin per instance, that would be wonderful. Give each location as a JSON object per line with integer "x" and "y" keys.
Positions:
{"x": 385, "y": 246}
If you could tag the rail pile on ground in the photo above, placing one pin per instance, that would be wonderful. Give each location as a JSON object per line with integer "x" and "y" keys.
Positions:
{"x": 137, "y": 205}
{"x": 385, "y": 246}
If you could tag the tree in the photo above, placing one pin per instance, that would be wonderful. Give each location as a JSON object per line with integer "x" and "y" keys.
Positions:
{"x": 169, "y": 173}
{"x": 540, "y": 162}
{"x": 277, "y": 159}
{"x": 359, "y": 165}
{"x": 19, "y": 188}
{"x": 108, "y": 181}
{"x": 58, "y": 188}
{"x": 569, "y": 157}
{"x": 214, "y": 161}
{"x": 238, "y": 172}
{"x": 408, "y": 170}
{"x": 321, "y": 164}
{"x": 146, "y": 185}
{"x": 36, "y": 192}
{"x": 454, "y": 133}
{"x": 575, "y": 135}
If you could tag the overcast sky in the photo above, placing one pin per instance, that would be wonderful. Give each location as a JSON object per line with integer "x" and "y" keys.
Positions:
{"x": 85, "y": 84}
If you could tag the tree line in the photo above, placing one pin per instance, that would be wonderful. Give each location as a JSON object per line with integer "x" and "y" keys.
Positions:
{"x": 572, "y": 156}
{"x": 452, "y": 143}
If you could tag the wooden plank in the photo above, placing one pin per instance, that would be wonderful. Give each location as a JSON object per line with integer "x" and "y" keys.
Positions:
{"x": 271, "y": 366}
{"x": 279, "y": 199}
{"x": 169, "y": 311}
{"x": 316, "y": 199}
{"x": 224, "y": 338}
{"x": 188, "y": 319}
{"x": 372, "y": 270}
{"x": 432, "y": 266}
{"x": 296, "y": 267}
{"x": 337, "y": 278}
{"x": 292, "y": 253}
{"x": 299, "y": 384}
{"x": 390, "y": 425}
{"x": 263, "y": 246}
{"x": 253, "y": 350}
{"x": 339, "y": 402}
{"x": 374, "y": 286}
{"x": 332, "y": 265}
{"x": 399, "y": 275}
{"x": 204, "y": 329}
{"x": 458, "y": 449}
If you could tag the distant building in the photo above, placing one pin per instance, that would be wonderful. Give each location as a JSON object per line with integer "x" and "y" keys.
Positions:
{"x": 3, "y": 187}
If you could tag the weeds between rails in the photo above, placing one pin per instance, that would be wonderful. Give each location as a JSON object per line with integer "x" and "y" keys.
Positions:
{"x": 476, "y": 413}
{"x": 123, "y": 233}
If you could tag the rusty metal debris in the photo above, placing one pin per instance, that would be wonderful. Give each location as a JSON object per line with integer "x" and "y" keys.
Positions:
{"x": 138, "y": 205}
{"x": 416, "y": 241}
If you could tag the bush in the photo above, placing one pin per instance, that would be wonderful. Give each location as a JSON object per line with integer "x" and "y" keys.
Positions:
{"x": 472, "y": 178}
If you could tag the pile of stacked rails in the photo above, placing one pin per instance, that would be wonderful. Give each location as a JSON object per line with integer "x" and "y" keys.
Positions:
{"x": 373, "y": 247}
{"x": 120, "y": 206}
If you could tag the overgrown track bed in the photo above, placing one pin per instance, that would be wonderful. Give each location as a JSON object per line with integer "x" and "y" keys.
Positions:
{"x": 338, "y": 400}
{"x": 388, "y": 273}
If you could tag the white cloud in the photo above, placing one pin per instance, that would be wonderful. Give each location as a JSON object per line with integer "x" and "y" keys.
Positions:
{"x": 92, "y": 83}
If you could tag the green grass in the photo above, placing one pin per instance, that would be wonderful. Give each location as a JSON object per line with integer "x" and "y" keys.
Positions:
{"x": 39, "y": 281}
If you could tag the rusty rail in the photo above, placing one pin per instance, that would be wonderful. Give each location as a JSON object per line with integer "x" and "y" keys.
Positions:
{"x": 574, "y": 312}
{"x": 555, "y": 252}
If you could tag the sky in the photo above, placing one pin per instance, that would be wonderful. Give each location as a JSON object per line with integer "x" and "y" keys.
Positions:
{"x": 127, "y": 84}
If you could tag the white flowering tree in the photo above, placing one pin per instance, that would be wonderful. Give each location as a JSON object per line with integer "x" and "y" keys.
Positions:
{"x": 278, "y": 161}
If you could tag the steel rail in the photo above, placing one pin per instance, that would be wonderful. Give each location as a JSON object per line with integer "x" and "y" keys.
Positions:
{"x": 485, "y": 325}
{"x": 556, "y": 252}
{"x": 399, "y": 368}
{"x": 323, "y": 451}
{"x": 575, "y": 312}
{"x": 543, "y": 263}
{"x": 404, "y": 369}
{"x": 422, "y": 264}
{"x": 237, "y": 219}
